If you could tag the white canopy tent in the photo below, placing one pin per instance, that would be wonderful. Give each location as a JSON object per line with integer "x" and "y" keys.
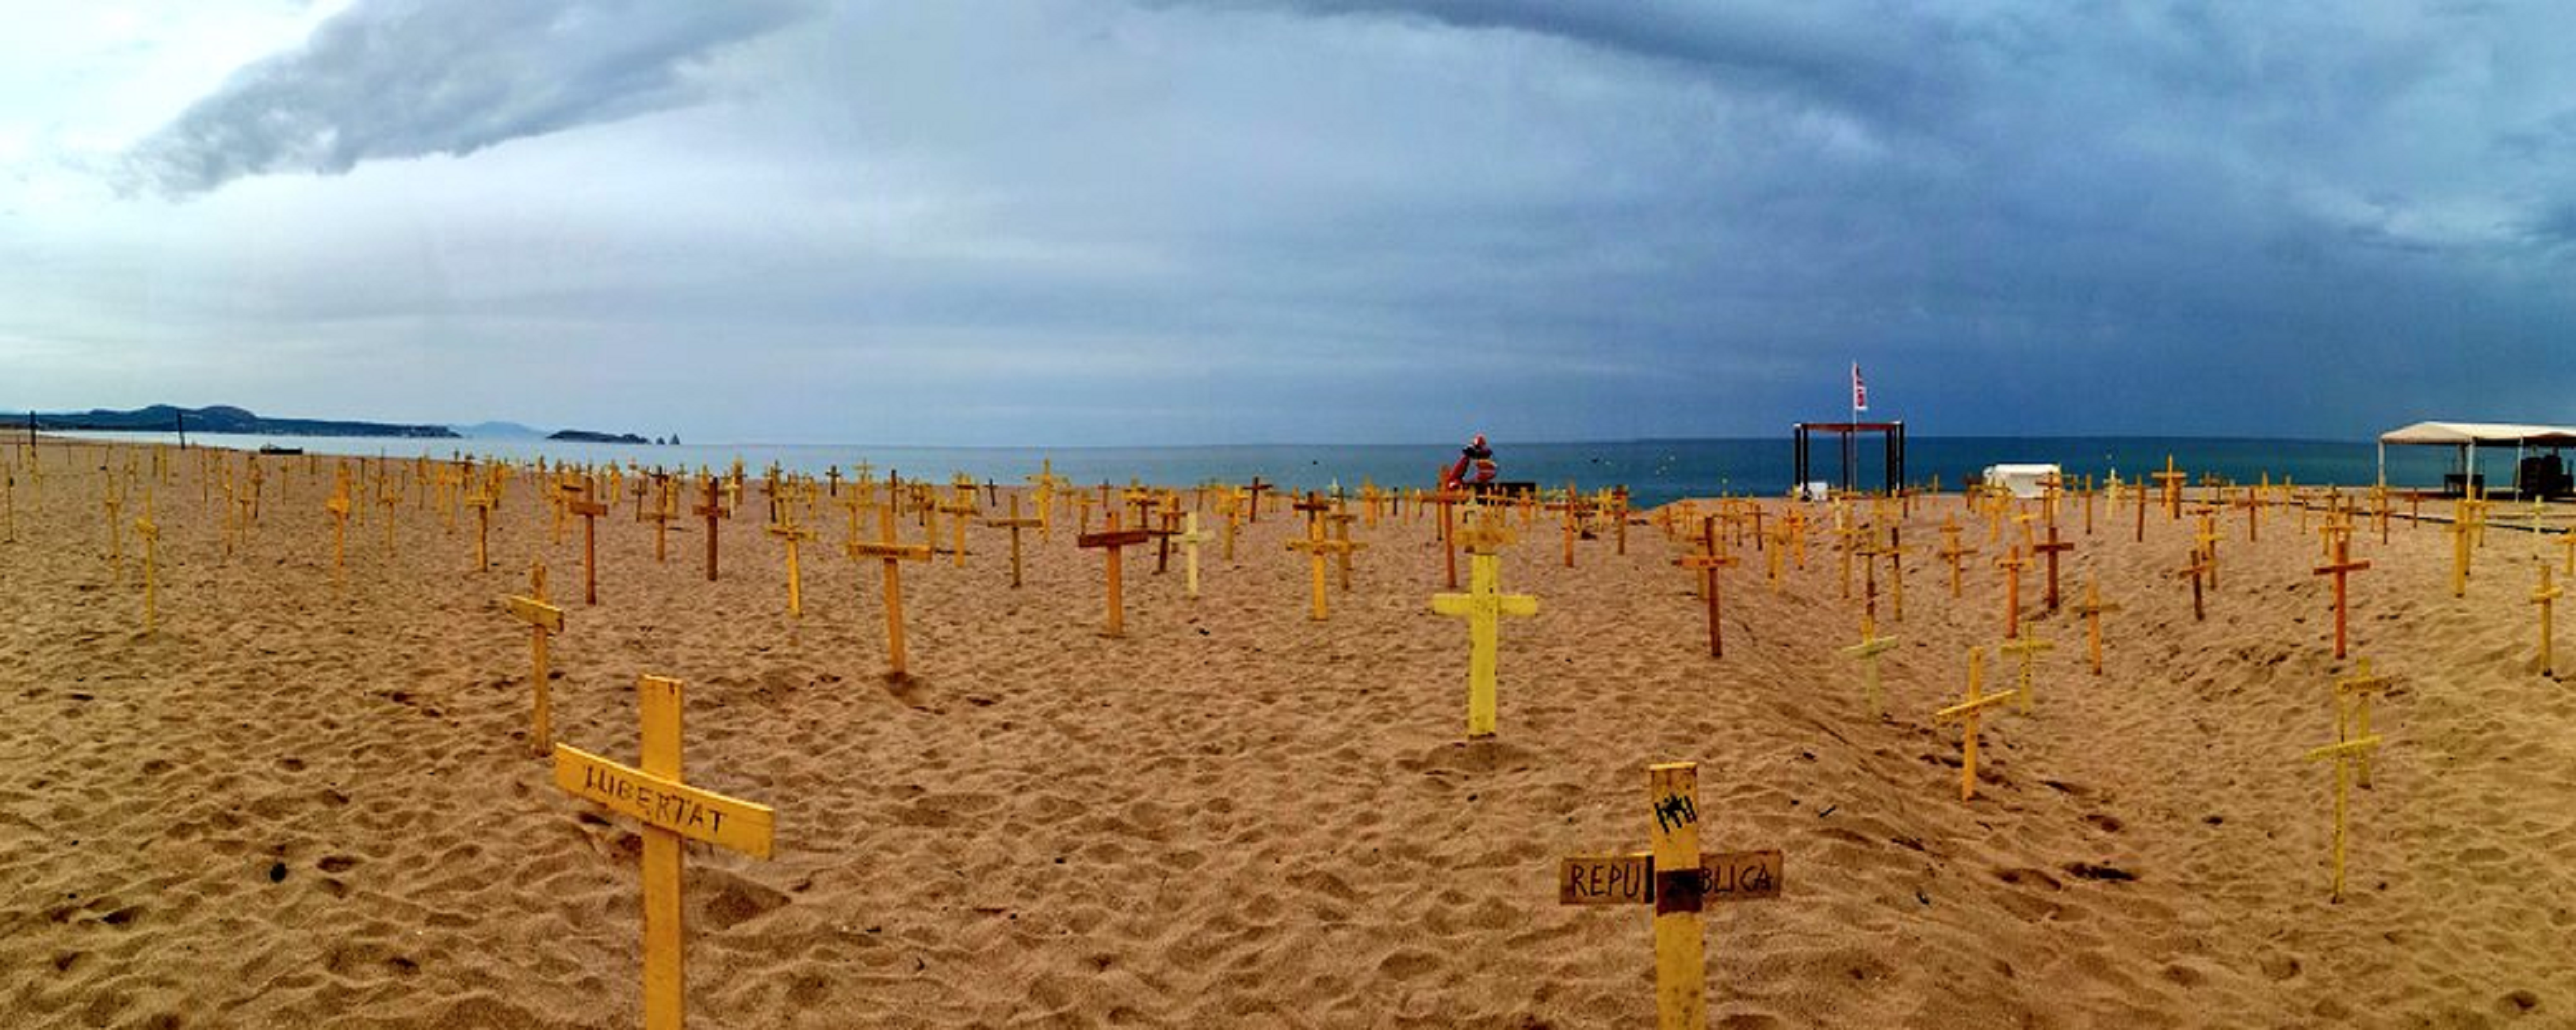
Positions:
{"x": 2468, "y": 435}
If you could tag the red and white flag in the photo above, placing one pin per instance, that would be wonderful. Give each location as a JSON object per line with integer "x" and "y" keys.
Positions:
{"x": 1860, "y": 393}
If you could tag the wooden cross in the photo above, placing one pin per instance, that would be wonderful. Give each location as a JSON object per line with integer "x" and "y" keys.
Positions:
{"x": 386, "y": 495}
{"x": 2544, "y": 597}
{"x": 1618, "y": 505}
{"x": 1711, "y": 559}
{"x": 1680, "y": 882}
{"x": 590, "y": 511}
{"x": 2208, "y": 540}
{"x": 2012, "y": 564}
{"x": 1573, "y": 521}
{"x": 1317, "y": 546}
{"x": 791, "y": 534}
{"x": 1483, "y": 606}
{"x": 710, "y": 507}
{"x": 2459, "y": 533}
{"x": 482, "y": 502}
{"x": 664, "y": 510}
{"x": 1190, "y": 538}
{"x": 1447, "y": 499}
{"x": 1231, "y": 506}
{"x": 1950, "y": 549}
{"x": 115, "y": 532}
{"x": 2566, "y": 542}
{"x": 671, "y": 810}
{"x": 2092, "y": 610}
{"x": 543, "y": 620}
{"x": 1895, "y": 555}
{"x": 1015, "y": 524}
{"x": 1255, "y": 489}
{"x": 2199, "y": 566}
{"x": 339, "y": 506}
{"x": 149, "y": 533}
{"x": 2252, "y": 503}
{"x": 1313, "y": 506}
{"x": 2343, "y": 755}
{"x": 2352, "y": 708}
{"x": 962, "y": 511}
{"x": 2341, "y": 566}
{"x": 1968, "y": 712}
{"x": 893, "y": 553}
{"x": 2052, "y": 549}
{"x": 1343, "y": 546}
{"x": 2027, "y": 649}
{"x": 1170, "y": 514}
{"x": 1867, "y": 651}
{"x": 1115, "y": 541}
{"x": 2172, "y": 482}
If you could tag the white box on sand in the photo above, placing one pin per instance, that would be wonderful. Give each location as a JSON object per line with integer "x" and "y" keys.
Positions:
{"x": 2022, "y": 480}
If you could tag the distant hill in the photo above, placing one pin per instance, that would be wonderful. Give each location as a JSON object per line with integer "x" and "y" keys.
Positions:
{"x": 499, "y": 431}
{"x": 586, "y": 436}
{"x": 220, "y": 418}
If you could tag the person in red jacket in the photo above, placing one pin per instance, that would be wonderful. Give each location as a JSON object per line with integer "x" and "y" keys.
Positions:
{"x": 1475, "y": 456}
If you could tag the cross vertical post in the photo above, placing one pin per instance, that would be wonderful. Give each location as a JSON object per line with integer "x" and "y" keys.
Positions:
{"x": 1968, "y": 713}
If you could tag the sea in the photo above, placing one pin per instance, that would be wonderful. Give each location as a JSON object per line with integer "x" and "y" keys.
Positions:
{"x": 1654, "y": 471}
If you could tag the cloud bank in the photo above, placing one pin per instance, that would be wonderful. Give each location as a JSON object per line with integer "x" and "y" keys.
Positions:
{"x": 407, "y": 78}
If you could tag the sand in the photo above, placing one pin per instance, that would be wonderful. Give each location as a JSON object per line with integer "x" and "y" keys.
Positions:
{"x": 308, "y": 802}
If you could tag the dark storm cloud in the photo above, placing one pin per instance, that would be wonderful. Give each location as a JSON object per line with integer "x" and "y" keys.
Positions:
{"x": 406, "y": 78}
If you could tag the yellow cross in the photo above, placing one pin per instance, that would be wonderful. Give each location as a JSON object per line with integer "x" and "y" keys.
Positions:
{"x": 1483, "y": 606}
{"x": 1968, "y": 712}
{"x": 653, "y": 792}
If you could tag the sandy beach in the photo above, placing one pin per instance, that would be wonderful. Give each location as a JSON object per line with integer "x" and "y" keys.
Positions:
{"x": 310, "y": 799}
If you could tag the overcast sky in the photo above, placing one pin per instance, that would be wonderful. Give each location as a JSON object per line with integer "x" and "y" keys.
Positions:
{"x": 1100, "y": 222}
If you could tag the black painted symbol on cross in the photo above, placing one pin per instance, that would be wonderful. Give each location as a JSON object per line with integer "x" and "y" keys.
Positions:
{"x": 1674, "y": 812}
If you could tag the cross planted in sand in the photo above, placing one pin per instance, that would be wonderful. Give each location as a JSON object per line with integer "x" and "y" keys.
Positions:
{"x": 1483, "y": 606}
{"x": 961, "y": 511}
{"x": 544, "y": 620}
{"x": 482, "y": 502}
{"x": 2340, "y": 566}
{"x": 893, "y": 553}
{"x": 1317, "y": 546}
{"x": 2012, "y": 563}
{"x": 1968, "y": 712}
{"x": 149, "y": 533}
{"x": 1711, "y": 558}
{"x": 2171, "y": 480}
{"x": 2207, "y": 538}
{"x": 2052, "y": 549}
{"x": 386, "y": 495}
{"x": 2200, "y": 566}
{"x": 2352, "y": 696}
{"x": 2092, "y": 610}
{"x": 2545, "y": 596}
{"x": 114, "y": 502}
{"x": 790, "y": 534}
{"x": 1190, "y": 537}
{"x": 1950, "y": 549}
{"x": 1867, "y": 651}
{"x": 2343, "y": 755}
{"x": 339, "y": 507}
{"x": 1114, "y": 541}
{"x": 653, "y": 792}
{"x": 579, "y": 503}
{"x": 1254, "y": 489}
{"x": 710, "y": 507}
{"x": 1680, "y": 882}
{"x": 2027, "y": 649}
{"x": 664, "y": 509}
{"x": 1015, "y": 524}
{"x": 1448, "y": 500}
